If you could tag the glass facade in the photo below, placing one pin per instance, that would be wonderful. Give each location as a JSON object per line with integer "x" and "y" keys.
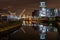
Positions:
{"x": 47, "y": 12}
{"x": 42, "y": 12}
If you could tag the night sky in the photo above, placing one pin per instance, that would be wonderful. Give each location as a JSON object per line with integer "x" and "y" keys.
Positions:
{"x": 29, "y": 5}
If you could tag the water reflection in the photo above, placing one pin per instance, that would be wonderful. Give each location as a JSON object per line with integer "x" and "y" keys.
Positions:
{"x": 44, "y": 29}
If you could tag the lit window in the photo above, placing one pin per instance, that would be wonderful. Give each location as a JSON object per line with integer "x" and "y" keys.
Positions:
{"x": 42, "y": 12}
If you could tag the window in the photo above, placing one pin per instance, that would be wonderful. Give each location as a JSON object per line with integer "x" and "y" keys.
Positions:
{"x": 42, "y": 12}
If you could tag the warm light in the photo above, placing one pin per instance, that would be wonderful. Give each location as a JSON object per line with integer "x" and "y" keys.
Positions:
{"x": 30, "y": 22}
{"x": 14, "y": 14}
{"x": 2, "y": 15}
{"x": 30, "y": 19}
{"x": 23, "y": 16}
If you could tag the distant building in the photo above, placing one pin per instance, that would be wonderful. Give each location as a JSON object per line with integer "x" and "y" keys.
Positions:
{"x": 43, "y": 11}
{"x": 46, "y": 13}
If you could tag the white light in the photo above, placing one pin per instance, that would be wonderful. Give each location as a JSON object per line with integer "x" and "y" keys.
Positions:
{"x": 42, "y": 36}
{"x": 42, "y": 4}
{"x": 47, "y": 10}
{"x": 11, "y": 16}
{"x": 18, "y": 18}
{"x": 40, "y": 25}
{"x": 15, "y": 17}
{"x": 43, "y": 31}
{"x": 47, "y": 30}
{"x": 43, "y": 9}
{"x": 42, "y": 12}
{"x": 44, "y": 27}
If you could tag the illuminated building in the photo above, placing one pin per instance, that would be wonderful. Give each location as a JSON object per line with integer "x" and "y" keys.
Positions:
{"x": 48, "y": 13}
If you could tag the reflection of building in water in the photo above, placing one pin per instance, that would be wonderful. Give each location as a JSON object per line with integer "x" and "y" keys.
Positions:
{"x": 42, "y": 36}
{"x": 42, "y": 28}
{"x": 50, "y": 14}
{"x": 45, "y": 29}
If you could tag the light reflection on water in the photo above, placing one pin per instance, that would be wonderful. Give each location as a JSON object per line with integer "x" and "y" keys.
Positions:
{"x": 43, "y": 29}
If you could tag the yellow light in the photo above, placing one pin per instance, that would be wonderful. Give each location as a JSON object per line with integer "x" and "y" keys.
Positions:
{"x": 23, "y": 16}
{"x": 2, "y": 15}
{"x": 30, "y": 22}
{"x": 30, "y": 19}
